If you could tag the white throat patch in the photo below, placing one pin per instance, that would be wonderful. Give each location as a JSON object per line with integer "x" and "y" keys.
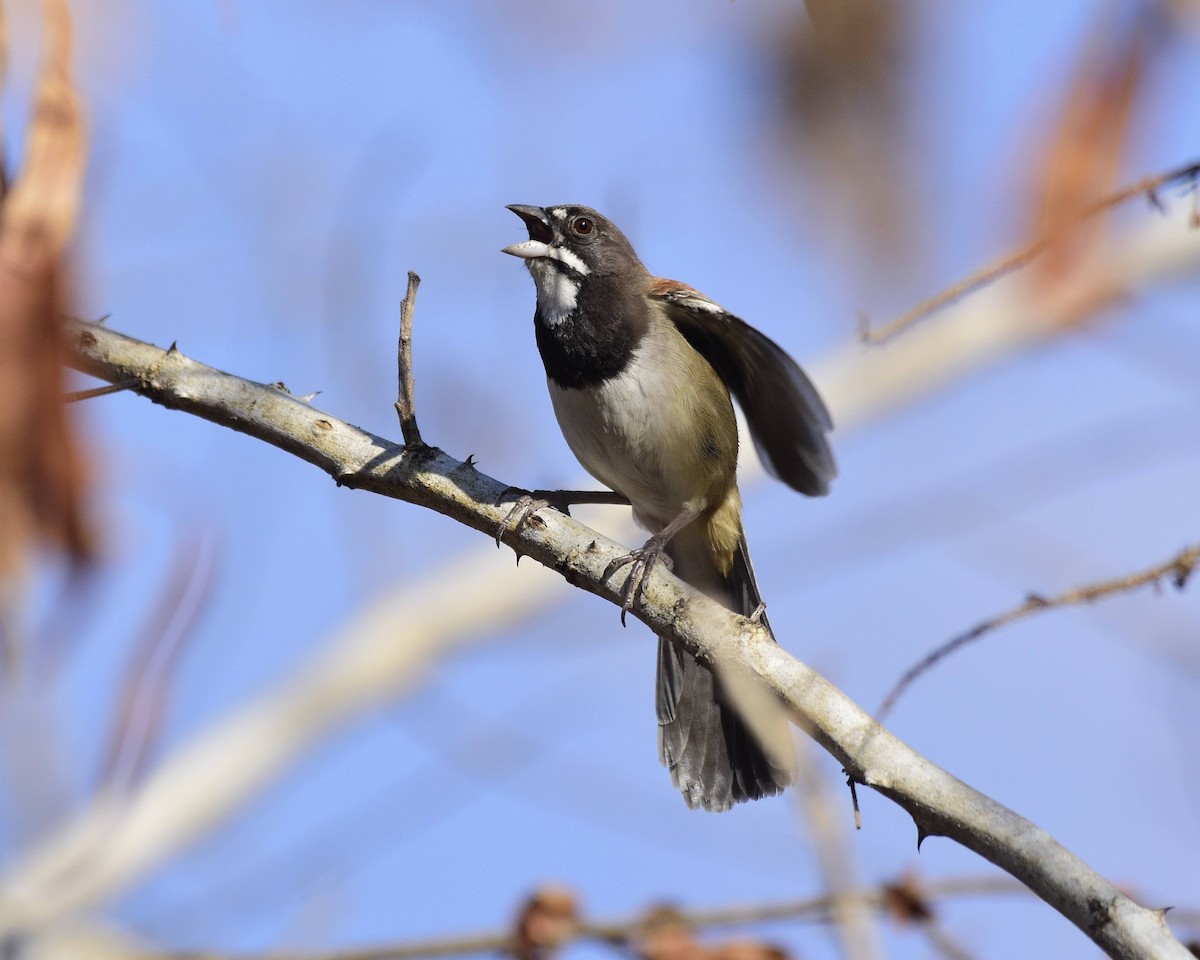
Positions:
{"x": 558, "y": 294}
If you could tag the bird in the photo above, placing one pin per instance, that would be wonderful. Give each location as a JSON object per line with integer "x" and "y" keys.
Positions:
{"x": 640, "y": 371}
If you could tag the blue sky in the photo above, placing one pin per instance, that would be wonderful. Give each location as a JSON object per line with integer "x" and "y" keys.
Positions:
{"x": 261, "y": 180}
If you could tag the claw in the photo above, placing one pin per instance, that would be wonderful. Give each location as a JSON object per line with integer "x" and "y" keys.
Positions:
{"x": 643, "y": 560}
{"x": 522, "y": 510}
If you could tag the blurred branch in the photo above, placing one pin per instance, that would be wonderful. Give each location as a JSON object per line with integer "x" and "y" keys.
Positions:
{"x": 939, "y": 804}
{"x": 1179, "y": 569}
{"x": 146, "y": 683}
{"x": 1022, "y": 256}
{"x": 836, "y": 857}
{"x": 905, "y": 900}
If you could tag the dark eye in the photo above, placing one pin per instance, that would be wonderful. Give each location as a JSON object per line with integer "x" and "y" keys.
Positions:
{"x": 583, "y": 226}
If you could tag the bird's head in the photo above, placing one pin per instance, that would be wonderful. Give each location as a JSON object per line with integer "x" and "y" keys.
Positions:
{"x": 567, "y": 245}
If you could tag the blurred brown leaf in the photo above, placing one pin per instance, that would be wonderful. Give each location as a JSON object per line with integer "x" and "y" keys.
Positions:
{"x": 748, "y": 950}
{"x": 906, "y": 901}
{"x": 41, "y": 468}
{"x": 547, "y": 919}
{"x": 1083, "y": 155}
{"x": 665, "y": 935}
{"x": 842, "y": 77}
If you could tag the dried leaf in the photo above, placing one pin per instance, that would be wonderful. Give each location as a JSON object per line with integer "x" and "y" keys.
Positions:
{"x": 842, "y": 79}
{"x": 41, "y": 469}
{"x": 748, "y": 950}
{"x": 547, "y": 919}
{"x": 1083, "y": 156}
{"x": 664, "y": 934}
{"x": 906, "y": 902}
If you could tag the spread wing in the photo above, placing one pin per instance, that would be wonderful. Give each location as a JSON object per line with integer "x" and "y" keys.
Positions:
{"x": 788, "y": 420}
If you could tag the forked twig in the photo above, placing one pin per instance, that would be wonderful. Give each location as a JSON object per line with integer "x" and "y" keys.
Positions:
{"x": 1019, "y": 258}
{"x": 1179, "y": 568}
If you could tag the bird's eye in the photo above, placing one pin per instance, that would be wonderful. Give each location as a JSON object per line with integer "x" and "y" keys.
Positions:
{"x": 583, "y": 226}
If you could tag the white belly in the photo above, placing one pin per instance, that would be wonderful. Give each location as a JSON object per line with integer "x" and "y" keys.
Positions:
{"x": 632, "y": 434}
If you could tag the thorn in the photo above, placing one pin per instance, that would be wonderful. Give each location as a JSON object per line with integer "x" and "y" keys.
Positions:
{"x": 922, "y": 836}
{"x": 470, "y": 461}
{"x": 310, "y": 397}
{"x": 173, "y": 348}
{"x": 757, "y": 615}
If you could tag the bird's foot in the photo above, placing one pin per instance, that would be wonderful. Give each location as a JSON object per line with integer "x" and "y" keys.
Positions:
{"x": 643, "y": 560}
{"x": 527, "y": 505}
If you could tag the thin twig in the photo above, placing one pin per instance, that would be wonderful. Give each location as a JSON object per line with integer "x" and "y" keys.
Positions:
{"x": 1019, "y": 258}
{"x": 405, "y": 407}
{"x": 622, "y": 931}
{"x": 1179, "y": 568}
{"x": 77, "y": 395}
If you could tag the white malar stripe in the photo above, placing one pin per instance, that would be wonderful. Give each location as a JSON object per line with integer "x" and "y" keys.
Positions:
{"x": 571, "y": 259}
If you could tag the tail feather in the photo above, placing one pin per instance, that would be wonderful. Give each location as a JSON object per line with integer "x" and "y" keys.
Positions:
{"x": 714, "y": 758}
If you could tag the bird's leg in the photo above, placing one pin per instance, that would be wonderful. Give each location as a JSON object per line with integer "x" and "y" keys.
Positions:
{"x": 644, "y": 558}
{"x": 561, "y": 500}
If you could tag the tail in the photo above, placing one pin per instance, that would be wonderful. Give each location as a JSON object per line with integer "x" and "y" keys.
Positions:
{"x": 714, "y": 757}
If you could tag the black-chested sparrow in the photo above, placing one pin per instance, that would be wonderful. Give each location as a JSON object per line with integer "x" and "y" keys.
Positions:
{"x": 640, "y": 371}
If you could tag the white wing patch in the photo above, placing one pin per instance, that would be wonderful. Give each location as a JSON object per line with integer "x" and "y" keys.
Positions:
{"x": 693, "y": 300}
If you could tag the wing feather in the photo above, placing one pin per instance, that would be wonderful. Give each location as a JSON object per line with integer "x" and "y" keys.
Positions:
{"x": 788, "y": 420}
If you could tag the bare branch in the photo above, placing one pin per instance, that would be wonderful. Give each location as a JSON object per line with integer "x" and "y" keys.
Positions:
{"x": 405, "y": 406}
{"x": 939, "y": 804}
{"x": 1179, "y": 568}
{"x": 1020, "y": 257}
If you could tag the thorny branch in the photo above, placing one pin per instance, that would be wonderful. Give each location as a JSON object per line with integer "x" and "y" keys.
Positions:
{"x": 1150, "y": 186}
{"x": 939, "y": 804}
{"x": 1178, "y": 569}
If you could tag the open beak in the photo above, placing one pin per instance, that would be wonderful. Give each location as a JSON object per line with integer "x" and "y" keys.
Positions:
{"x": 541, "y": 234}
